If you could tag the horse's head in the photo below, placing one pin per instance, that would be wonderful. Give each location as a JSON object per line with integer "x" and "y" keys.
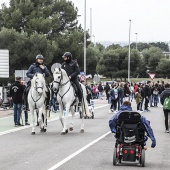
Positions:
{"x": 57, "y": 75}
{"x": 38, "y": 82}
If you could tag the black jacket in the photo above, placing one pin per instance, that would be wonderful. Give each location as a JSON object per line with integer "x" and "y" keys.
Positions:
{"x": 164, "y": 95}
{"x": 147, "y": 91}
{"x": 72, "y": 69}
{"x": 35, "y": 68}
{"x": 16, "y": 91}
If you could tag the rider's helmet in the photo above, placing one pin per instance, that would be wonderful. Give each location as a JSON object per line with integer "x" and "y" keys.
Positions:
{"x": 39, "y": 56}
{"x": 67, "y": 54}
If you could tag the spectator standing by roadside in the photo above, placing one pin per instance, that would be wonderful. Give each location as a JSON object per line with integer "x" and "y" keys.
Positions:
{"x": 126, "y": 92}
{"x": 138, "y": 99}
{"x": 96, "y": 91}
{"x": 100, "y": 88}
{"x": 135, "y": 87}
{"x": 115, "y": 100}
{"x": 16, "y": 91}
{"x": 112, "y": 97}
{"x": 26, "y": 104}
{"x": 155, "y": 95}
{"x": 147, "y": 94}
{"x": 164, "y": 95}
{"x": 131, "y": 91}
{"x": 142, "y": 94}
{"x": 151, "y": 97}
{"x": 120, "y": 95}
{"x": 107, "y": 88}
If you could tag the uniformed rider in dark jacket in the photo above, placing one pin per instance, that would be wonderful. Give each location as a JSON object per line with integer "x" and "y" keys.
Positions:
{"x": 38, "y": 67}
{"x": 72, "y": 69}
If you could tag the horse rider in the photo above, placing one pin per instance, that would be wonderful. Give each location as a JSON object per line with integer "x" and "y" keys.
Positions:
{"x": 72, "y": 69}
{"x": 38, "y": 67}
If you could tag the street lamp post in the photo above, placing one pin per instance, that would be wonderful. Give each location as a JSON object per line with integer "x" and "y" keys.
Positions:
{"x": 129, "y": 52}
{"x": 85, "y": 36}
{"x": 136, "y": 41}
{"x": 94, "y": 40}
{"x": 91, "y": 24}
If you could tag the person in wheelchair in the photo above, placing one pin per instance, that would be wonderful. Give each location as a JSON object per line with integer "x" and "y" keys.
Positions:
{"x": 72, "y": 69}
{"x": 126, "y": 106}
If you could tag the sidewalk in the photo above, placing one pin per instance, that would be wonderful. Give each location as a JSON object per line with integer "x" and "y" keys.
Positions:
{"x": 6, "y": 113}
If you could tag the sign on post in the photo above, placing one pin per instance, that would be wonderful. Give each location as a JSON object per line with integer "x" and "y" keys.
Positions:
{"x": 4, "y": 63}
{"x": 22, "y": 74}
{"x": 152, "y": 75}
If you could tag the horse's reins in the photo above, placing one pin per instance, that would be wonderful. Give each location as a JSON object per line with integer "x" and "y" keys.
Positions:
{"x": 35, "y": 101}
{"x": 61, "y": 85}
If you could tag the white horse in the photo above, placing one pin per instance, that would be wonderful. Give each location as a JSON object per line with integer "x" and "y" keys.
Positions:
{"x": 67, "y": 99}
{"x": 36, "y": 101}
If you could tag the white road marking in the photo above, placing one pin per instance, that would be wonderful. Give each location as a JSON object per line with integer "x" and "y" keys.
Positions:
{"x": 79, "y": 151}
{"x": 26, "y": 127}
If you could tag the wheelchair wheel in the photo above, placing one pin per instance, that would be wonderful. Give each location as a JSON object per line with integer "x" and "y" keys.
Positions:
{"x": 142, "y": 159}
{"x": 115, "y": 156}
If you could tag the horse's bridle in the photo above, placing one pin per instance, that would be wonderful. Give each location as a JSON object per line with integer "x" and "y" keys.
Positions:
{"x": 37, "y": 87}
{"x": 59, "y": 82}
{"x": 37, "y": 92}
{"x": 61, "y": 85}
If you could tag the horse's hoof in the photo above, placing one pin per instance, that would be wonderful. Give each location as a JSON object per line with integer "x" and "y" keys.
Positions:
{"x": 66, "y": 131}
{"x": 82, "y": 131}
{"x": 37, "y": 124}
{"x": 71, "y": 128}
{"x": 33, "y": 133}
{"x": 45, "y": 130}
{"x": 63, "y": 133}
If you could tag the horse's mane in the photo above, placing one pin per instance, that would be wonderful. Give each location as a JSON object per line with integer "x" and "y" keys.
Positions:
{"x": 42, "y": 79}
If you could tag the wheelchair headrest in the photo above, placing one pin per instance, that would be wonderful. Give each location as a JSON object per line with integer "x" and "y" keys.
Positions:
{"x": 130, "y": 116}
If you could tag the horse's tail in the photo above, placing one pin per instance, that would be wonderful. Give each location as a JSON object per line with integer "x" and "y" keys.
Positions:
{"x": 85, "y": 101}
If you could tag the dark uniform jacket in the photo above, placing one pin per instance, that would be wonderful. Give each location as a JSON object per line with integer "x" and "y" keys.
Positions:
{"x": 72, "y": 69}
{"x": 16, "y": 91}
{"x": 35, "y": 68}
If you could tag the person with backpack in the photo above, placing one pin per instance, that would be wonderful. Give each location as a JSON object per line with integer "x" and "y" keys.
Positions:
{"x": 165, "y": 101}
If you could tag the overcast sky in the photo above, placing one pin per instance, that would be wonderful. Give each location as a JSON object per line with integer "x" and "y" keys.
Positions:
{"x": 110, "y": 19}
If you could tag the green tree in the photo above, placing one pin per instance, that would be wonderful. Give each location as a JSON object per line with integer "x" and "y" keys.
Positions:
{"x": 163, "y": 68}
{"x": 152, "y": 57}
{"x": 41, "y": 16}
{"x": 23, "y": 49}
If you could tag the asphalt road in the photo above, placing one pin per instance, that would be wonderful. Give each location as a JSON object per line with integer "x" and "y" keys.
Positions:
{"x": 92, "y": 150}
